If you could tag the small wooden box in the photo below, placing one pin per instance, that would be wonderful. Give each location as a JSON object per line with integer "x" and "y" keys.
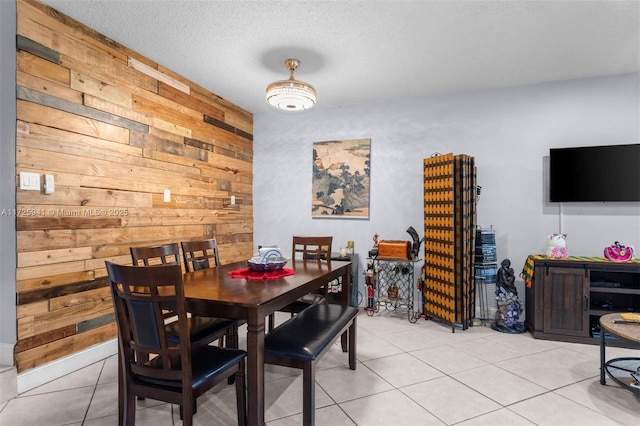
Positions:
{"x": 394, "y": 249}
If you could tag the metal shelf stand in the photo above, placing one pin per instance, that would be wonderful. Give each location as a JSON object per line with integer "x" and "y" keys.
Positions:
{"x": 394, "y": 287}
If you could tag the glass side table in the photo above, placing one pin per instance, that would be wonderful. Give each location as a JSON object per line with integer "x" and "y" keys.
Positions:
{"x": 626, "y": 370}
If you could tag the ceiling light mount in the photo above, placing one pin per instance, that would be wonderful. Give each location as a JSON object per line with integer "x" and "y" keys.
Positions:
{"x": 291, "y": 94}
{"x": 292, "y": 66}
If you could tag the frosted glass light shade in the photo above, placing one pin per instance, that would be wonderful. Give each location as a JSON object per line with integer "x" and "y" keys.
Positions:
{"x": 291, "y": 94}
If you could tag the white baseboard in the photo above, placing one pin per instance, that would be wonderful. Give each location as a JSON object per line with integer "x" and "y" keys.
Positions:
{"x": 55, "y": 369}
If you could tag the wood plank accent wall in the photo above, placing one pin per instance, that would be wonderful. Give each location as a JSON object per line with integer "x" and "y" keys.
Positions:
{"x": 114, "y": 129}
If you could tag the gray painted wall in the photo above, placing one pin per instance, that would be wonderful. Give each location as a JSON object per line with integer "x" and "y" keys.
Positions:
{"x": 7, "y": 180}
{"x": 508, "y": 131}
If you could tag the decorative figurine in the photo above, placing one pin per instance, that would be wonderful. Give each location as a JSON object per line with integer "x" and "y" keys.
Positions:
{"x": 370, "y": 281}
{"x": 509, "y": 307}
{"x": 370, "y": 297}
{"x": 557, "y": 246}
{"x": 374, "y": 250}
{"x": 417, "y": 242}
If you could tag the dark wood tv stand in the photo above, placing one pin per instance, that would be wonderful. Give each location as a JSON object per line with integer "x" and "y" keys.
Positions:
{"x": 567, "y": 298}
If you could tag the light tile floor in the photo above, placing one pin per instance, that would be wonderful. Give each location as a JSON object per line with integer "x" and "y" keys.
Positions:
{"x": 408, "y": 374}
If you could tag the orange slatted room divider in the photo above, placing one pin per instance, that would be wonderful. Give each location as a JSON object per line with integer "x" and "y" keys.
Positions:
{"x": 449, "y": 230}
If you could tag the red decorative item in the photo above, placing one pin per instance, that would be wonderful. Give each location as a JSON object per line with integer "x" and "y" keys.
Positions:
{"x": 250, "y": 274}
{"x": 618, "y": 253}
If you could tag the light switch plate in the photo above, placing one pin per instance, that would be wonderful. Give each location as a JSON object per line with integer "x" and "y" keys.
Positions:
{"x": 49, "y": 184}
{"x": 166, "y": 196}
{"x": 29, "y": 181}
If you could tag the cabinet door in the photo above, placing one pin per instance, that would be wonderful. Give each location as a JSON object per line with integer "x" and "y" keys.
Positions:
{"x": 566, "y": 301}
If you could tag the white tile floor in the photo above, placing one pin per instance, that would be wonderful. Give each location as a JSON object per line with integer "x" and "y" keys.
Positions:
{"x": 408, "y": 374}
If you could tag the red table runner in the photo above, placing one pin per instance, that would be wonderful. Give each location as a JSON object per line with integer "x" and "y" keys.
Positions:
{"x": 250, "y": 274}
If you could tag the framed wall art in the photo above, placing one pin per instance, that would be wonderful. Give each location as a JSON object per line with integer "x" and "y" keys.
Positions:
{"x": 341, "y": 177}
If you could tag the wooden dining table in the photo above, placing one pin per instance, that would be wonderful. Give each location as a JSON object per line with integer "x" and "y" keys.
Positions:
{"x": 214, "y": 292}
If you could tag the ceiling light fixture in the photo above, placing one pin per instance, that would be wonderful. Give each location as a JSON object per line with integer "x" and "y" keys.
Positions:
{"x": 291, "y": 94}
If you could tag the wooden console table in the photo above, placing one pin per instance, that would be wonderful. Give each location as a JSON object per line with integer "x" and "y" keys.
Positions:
{"x": 629, "y": 332}
{"x": 565, "y": 298}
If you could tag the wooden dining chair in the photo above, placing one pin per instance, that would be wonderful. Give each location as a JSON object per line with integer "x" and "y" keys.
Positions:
{"x": 179, "y": 371}
{"x": 203, "y": 329}
{"x": 200, "y": 254}
{"x": 311, "y": 248}
{"x": 308, "y": 249}
{"x": 165, "y": 254}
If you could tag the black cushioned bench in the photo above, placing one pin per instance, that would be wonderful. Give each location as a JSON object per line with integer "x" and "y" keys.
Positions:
{"x": 302, "y": 340}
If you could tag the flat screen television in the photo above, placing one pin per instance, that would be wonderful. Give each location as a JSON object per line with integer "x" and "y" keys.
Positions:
{"x": 595, "y": 173}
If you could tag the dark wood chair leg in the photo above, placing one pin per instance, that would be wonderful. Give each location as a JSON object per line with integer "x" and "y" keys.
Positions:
{"x": 308, "y": 394}
{"x": 129, "y": 410}
{"x": 344, "y": 341}
{"x": 272, "y": 321}
{"x": 352, "y": 345}
{"x": 189, "y": 413}
{"x": 241, "y": 395}
{"x": 232, "y": 342}
{"x": 187, "y": 410}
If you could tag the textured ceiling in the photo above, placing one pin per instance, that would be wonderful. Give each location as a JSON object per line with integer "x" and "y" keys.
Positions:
{"x": 364, "y": 51}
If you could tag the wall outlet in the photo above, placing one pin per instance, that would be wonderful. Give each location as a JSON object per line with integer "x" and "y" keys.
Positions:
{"x": 166, "y": 196}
